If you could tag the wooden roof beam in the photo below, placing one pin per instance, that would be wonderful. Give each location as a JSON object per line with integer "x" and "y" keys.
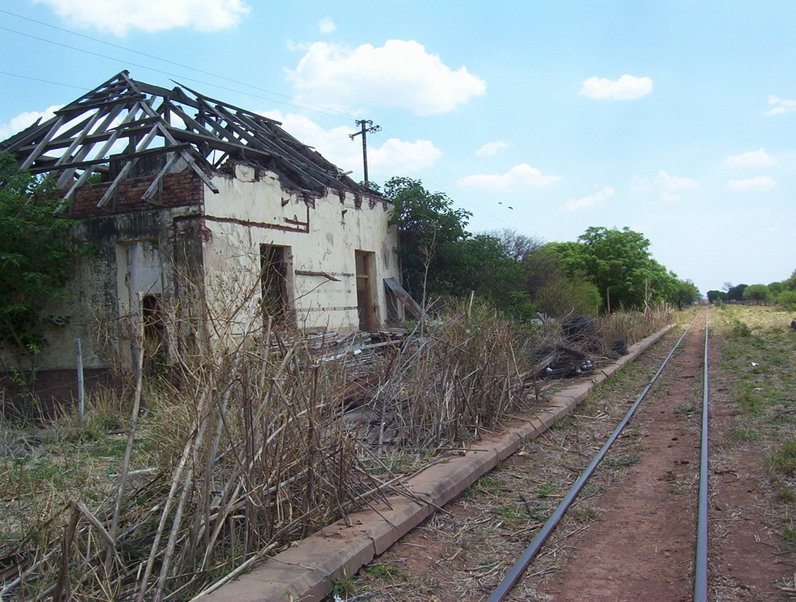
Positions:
{"x": 41, "y": 145}
{"x": 108, "y": 144}
{"x": 127, "y": 166}
{"x": 86, "y": 147}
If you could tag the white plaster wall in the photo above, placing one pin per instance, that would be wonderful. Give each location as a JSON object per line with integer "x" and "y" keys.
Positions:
{"x": 250, "y": 211}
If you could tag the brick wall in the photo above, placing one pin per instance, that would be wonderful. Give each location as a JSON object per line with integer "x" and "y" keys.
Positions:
{"x": 178, "y": 190}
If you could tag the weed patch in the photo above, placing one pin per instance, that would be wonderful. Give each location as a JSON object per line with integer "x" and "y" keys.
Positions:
{"x": 620, "y": 462}
{"x": 757, "y": 353}
{"x": 385, "y": 572}
{"x": 738, "y": 433}
{"x": 782, "y": 462}
{"x": 547, "y": 489}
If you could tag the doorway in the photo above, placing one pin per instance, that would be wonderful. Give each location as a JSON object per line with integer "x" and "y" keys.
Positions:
{"x": 366, "y": 291}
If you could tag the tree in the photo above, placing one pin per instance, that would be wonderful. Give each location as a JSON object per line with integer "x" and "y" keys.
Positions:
{"x": 488, "y": 268}
{"x": 429, "y": 229}
{"x": 756, "y": 292}
{"x": 715, "y": 295}
{"x": 787, "y": 299}
{"x": 37, "y": 254}
{"x": 776, "y": 288}
{"x": 686, "y": 293}
{"x": 518, "y": 246}
{"x": 619, "y": 264}
{"x": 735, "y": 293}
{"x": 568, "y": 296}
{"x": 555, "y": 290}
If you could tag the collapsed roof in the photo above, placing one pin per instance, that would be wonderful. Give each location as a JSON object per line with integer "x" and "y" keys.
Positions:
{"x": 124, "y": 125}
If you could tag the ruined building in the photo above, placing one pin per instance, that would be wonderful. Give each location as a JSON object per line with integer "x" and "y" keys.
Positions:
{"x": 185, "y": 199}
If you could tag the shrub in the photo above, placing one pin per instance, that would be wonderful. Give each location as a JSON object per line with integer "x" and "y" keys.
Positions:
{"x": 37, "y": 255}
{"x": 756, "y": 292}
{"x": 787, "y": 299}
{"x": 569, "y": 296}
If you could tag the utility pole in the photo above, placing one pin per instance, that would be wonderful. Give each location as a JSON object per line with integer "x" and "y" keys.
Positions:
{"x": 365, "y": 125}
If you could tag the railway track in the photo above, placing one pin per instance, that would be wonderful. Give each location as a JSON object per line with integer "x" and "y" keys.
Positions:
{"x": 699, "y": 578}
{"x": 632, "y": 532}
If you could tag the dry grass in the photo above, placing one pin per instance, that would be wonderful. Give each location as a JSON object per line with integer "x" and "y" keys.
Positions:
{"x": 633, "y": 326}
{"x": 463, "y": 373}
{"x": 247, "y": 453}
{"x": 758, "y": 348}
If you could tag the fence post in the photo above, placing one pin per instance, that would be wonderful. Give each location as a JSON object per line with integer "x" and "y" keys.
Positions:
{"x": 81, "y": 394}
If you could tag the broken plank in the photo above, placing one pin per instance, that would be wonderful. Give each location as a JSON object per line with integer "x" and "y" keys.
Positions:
{"x": 405, "y": 298}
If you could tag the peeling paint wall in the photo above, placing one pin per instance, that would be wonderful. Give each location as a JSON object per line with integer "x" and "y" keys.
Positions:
{"x": 322, "y": 235}
{"x": 195, "y": 245}
{"x": 132, "y": 253}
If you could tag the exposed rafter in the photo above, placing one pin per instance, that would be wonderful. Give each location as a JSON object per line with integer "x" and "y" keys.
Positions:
{"x": 113, "y": 127}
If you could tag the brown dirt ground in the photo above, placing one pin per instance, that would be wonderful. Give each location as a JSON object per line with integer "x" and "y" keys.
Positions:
{"x": 642, "y": 548}
{"x": 630, "y": 536}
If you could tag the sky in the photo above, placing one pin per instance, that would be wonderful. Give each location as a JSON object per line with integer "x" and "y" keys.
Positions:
{"x": 673, "y": 118}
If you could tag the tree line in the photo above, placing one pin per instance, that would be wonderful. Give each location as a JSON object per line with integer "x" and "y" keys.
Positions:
{"x": 783, "y": 292}
{"x": 605, "y": 269}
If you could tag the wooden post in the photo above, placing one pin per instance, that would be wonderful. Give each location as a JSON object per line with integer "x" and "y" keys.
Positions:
{"x": 81, "y": 393}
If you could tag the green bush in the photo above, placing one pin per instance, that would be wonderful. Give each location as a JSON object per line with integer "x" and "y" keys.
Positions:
{"x": 756, "y": 292}
{"x": 787, "y": 299}
{"x": 740, "y": 329}
{"x": 37, "y": 255}
{"x": 568, "y": 296}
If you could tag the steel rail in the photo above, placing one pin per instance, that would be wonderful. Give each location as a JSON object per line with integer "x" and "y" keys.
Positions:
{"x": 701, "y": 557}
{"x": 514, "y": 574}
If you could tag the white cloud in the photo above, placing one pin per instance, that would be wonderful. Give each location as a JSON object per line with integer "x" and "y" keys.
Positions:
{"x": 671, "y": 183}
{"x": 326, "y": 25}
{"x": 758, "y": 158}
{"x": 627, "y": 87}
{"x": 780, "y": 106}
{"x": 334, "y": 144}
{"x": 663, "y": 183}
{"x": 400, "y": 74}
{"x": 598, "y": 199}
{"x": 23, "y": 120}
{"x": 120, "y": 16}
{"x": 410, "y": 156}
{"x": 519, "y": 177}
{"x": 492, "y": 148}
{"x": 756, "y": 184}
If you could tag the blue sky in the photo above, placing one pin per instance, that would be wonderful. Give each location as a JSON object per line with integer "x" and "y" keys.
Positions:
{"x": 676, "y": 119}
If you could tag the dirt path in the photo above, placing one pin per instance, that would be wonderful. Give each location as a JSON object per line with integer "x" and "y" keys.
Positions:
{"x": 643, "y": 545}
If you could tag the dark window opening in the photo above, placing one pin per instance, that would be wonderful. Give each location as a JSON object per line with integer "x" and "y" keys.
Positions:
{"x": 273, "y": 280}
{"x": 155, "y": 340}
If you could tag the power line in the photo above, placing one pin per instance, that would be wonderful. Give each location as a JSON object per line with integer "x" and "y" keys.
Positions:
{"x": 322, "y": 108}
{"x": 46, "y": 81}
{"x": 170, "y": 74}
